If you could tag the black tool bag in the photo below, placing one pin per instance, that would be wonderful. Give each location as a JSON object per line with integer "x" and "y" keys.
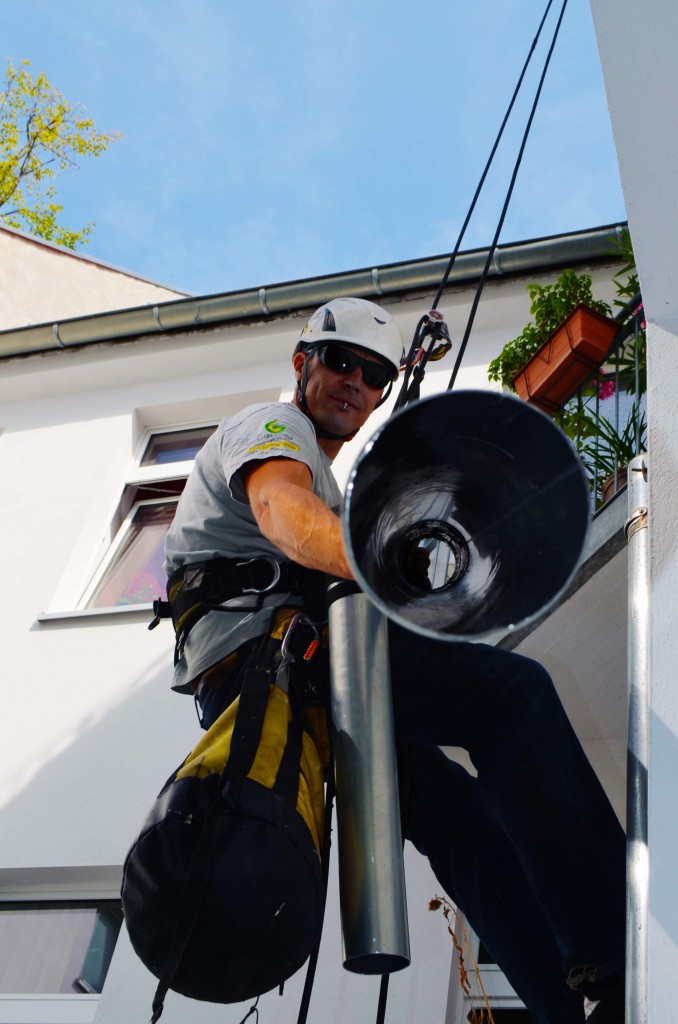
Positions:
{"x": 223, "y": 890}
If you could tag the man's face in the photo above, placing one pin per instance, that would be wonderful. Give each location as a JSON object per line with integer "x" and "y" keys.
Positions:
{"x": 339, "y": 402}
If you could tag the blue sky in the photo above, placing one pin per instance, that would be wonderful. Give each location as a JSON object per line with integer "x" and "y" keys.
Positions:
{"x": 271, "y": 140}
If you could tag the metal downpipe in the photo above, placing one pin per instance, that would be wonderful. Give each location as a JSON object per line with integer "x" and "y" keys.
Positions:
{"x": 637, "y": 851}
{"x": 371, "y": 873}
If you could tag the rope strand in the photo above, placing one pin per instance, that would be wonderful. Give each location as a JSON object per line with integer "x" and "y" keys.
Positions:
{"x": 490, "y": 255}
{"x": 483, "y": 176}
{"x": 405, "y": 395}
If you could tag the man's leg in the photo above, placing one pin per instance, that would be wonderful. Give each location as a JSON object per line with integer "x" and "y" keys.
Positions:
{"x": 448, "y": 820}
{"x": 533, "y": 774}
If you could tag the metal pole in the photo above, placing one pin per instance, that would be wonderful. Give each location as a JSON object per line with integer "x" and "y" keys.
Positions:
{"x": 637, "y": 853}
{"x": 371, "y": 872}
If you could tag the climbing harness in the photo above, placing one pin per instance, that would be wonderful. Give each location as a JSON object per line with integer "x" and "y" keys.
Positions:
{"x": 202, "y": 587}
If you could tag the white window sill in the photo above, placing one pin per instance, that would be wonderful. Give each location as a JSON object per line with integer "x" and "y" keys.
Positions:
{"x": 49, "y": 1009}
{"x": 142, "y": 611}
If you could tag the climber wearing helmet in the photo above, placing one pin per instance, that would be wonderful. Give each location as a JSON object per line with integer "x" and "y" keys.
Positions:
{"x": 530, "y": 849}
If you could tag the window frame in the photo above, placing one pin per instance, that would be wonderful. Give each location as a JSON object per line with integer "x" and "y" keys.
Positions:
{"x": 498, "y": 989}
{"x": 53, "y": 1007}
{"x": 137, "y": 480}
{"x": 114, "y": 549}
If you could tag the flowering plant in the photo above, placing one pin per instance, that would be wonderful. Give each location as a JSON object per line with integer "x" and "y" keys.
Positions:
{"x": 608, "y": 447}
{"x": 604, "y": 385}
{"x": 551, "y": 305}
{"x": 607, "y": 441}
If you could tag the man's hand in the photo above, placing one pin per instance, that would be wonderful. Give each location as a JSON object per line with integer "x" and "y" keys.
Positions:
{"x": 293, "y": 518}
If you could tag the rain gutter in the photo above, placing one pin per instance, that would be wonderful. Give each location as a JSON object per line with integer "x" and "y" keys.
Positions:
{"x": 274, "y": 300}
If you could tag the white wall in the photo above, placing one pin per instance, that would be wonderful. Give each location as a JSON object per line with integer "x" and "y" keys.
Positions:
{"x": 637, "y": 43}
{"x": 89, "y": 729}
{"x": 70, "y": 283}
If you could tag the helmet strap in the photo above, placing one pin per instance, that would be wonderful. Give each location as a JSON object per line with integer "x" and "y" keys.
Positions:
{"x": 385, "y": 394}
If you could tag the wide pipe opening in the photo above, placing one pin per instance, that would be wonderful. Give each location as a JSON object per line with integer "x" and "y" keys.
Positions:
{"x": 466, "y": 514}
{"x": 376, "y": 963}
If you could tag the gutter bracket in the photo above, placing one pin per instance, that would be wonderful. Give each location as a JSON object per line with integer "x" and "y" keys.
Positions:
{"x": 262, "y": 301}
{"x": 55, "y": 335}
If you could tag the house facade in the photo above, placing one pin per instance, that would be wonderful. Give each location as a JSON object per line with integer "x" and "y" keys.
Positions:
{"x": 100, "y": 418}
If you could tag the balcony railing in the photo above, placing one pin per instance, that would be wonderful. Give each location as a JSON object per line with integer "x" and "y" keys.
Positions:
{"x": 606, "y": 418}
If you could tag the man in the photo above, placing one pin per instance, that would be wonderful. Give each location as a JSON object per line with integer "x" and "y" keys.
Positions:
{"x": 530, "y": 850}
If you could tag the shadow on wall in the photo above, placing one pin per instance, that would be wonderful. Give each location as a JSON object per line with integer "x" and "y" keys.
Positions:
{"x": 663, "y": 822}
{"x": 85, "y": 805}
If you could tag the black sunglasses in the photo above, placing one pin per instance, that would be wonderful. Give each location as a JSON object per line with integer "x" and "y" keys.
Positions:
{"x": 343, "y": 360}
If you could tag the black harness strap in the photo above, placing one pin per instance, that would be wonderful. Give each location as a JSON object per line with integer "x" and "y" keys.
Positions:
{"x": 202, "y": 587}
{"x": 249, "y": 720}
{"x": 287, "y": 778}
{"x": 327, "y": 840}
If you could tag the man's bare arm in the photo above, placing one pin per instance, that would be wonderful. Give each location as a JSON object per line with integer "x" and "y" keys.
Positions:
{"x": 293, "y": 518}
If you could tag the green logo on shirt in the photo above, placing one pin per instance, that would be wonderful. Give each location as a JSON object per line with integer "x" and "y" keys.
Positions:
{"x": 273, "y": 427}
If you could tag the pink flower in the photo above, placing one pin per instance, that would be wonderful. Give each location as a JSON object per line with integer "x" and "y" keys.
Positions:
{"x": 604, "y": 385}
{"x": 638, "y": 308}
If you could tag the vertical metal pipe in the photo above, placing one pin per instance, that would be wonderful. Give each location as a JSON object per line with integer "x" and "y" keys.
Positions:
{"x": 371, "y": 872}
{"x": 637, "y": 853}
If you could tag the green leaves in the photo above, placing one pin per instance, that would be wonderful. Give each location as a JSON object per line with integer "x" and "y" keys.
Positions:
{"x": 626, "y": 280}
{"x": 551, "y": 304}
{"x": 605, "y": 448}
{"x": 604, "y": 443}
{"x": 41, "y": 136}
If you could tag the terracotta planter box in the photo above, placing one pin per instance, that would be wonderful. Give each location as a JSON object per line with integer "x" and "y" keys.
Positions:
{"x": 570, "y": 355}
{"x": 609, "y": 490}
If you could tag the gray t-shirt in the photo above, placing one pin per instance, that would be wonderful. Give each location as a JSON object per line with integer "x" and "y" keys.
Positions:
{"x": 214, "y": 519}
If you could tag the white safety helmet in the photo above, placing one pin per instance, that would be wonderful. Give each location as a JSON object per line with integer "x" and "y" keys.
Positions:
{"x": 356, "y": 322}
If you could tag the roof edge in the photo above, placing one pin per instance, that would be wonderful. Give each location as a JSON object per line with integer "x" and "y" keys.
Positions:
{"x": 279, "y": 299}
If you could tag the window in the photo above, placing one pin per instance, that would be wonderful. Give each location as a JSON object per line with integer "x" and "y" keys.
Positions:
{"x": 174, "y": 446}
{"x": 135, "y": 572}
{"x": 131, "y": 572}
{"x": 489, "y": 987}
{"x": 57, "y": 947}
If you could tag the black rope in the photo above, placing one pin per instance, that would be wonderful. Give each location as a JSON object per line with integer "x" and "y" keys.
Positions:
{"x": 327, "y": 842}
{"x": 423, "y": 330}
{"x": 383, "y": 996}
{"x": 405, "y": 761}
{"x": 490, "y": 255}
{"x": 252, "y": 1010}
{"x": 410, "y": 391}
{"x": 483, "y": 176}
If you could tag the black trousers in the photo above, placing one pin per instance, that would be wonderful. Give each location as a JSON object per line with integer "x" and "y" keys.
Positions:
{"x": 530, "y": 849}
